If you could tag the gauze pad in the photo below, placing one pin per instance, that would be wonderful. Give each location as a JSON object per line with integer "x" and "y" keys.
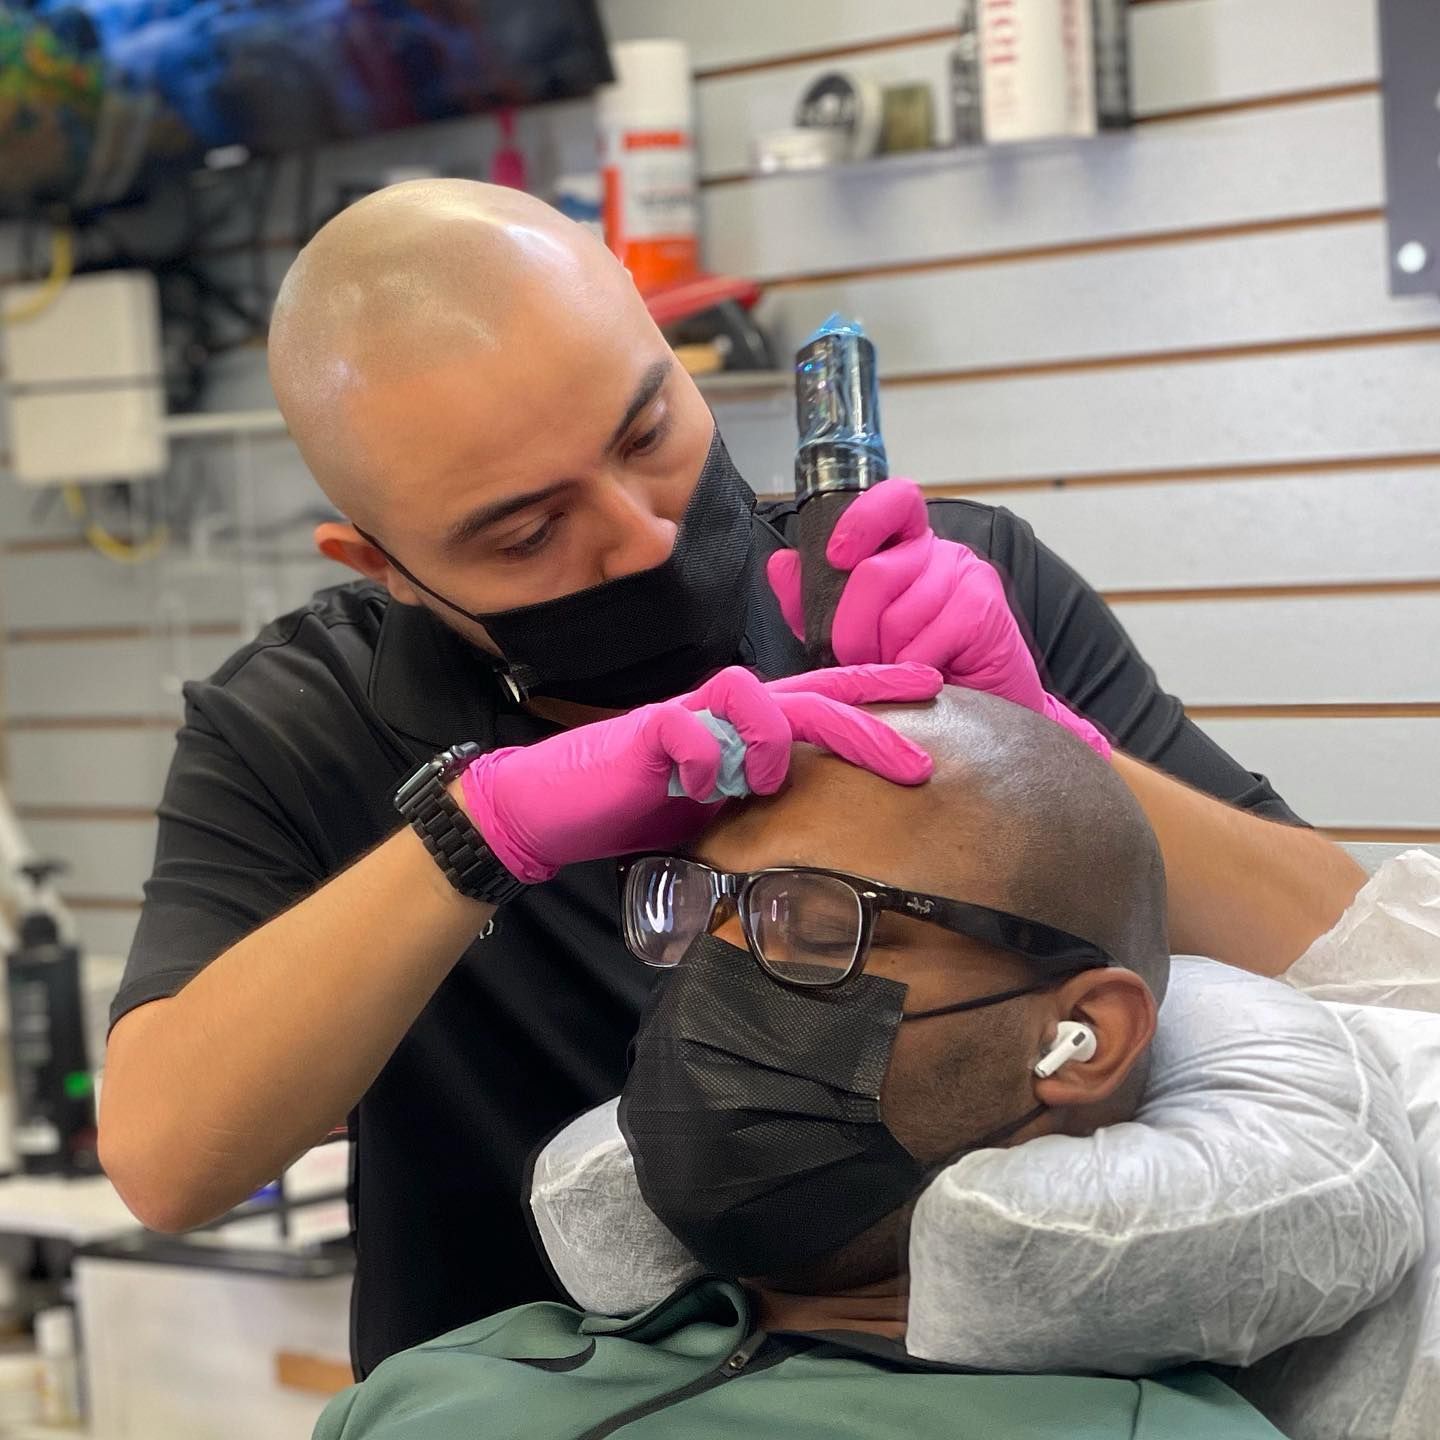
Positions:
{"x": 730, "y": 782}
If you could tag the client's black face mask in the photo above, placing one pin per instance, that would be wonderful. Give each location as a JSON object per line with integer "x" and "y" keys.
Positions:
{"x": 646, "y": 636}
{"x": 752, "y": 1111}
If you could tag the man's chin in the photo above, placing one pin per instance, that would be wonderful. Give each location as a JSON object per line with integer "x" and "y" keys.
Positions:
{"x": 469, "y": 631}
{"x": 875, "y": 1255}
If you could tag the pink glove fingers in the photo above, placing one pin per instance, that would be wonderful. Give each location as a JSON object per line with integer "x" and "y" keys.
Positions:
{"x": 864, "y": 684}
{"x": 739, "y": 696}
{"x": 602, "y": 789}
{"x": 893, "y": 511}
{"x": 937, "y": 597}
{"x": 782, "y": 570}
{"x": 1078, "y": 726}
{"x": 970, "y": 653}
{"x": 852, "y": 735}
{"x": 874, "y": 585}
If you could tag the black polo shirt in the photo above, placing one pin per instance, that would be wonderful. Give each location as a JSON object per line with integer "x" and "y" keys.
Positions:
{"x": 283, "y": 776}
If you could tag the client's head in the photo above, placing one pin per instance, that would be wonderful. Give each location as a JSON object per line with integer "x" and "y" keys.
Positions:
{"x": 1019, "y": 818}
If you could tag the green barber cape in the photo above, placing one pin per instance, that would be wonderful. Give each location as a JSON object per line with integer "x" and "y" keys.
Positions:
{"x": 694, "y": 1368}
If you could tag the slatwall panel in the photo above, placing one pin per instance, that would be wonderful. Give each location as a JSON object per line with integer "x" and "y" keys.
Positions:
{"x": 1316, "y": 405}
{"x": 1382, "y": 757}
{"x": 108, "y": 860}
{"x": 1382, "y": 525}
{"x": 1272, "y": 287}
{"x": 1187, "y": 57}
{"x": 1171, "y": 351}
{"x": 1257, "y": 166}
{"x": 124, "y": 766}
{"x": 1346, "y": 649}
{"x": 52, "y": 681}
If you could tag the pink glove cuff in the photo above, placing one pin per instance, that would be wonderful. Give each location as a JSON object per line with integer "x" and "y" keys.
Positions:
{"x": 477, "y": 786}
{"x": 1077, "y": 725}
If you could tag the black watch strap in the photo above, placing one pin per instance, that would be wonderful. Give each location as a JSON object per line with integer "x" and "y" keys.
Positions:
{"x": 447, "y": 832}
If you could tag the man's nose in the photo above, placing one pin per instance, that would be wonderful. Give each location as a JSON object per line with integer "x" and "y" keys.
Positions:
{"x": 636, "y": 536}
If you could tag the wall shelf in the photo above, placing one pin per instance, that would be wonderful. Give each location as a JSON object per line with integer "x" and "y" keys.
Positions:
{"x": 223, "y": 424}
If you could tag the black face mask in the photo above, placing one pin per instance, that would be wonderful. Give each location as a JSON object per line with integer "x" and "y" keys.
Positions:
{"x": 647, "y": 636}
{"x": 752, "y": 1111}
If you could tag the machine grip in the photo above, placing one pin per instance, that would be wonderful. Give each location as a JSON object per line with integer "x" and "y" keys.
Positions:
{"x": 820, "y": 585}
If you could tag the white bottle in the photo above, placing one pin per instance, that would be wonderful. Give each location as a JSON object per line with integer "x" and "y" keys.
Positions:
{"x": 647, "y": 162}
{"x": 59, "y": 1366}
{"x": 1037, "y": 68}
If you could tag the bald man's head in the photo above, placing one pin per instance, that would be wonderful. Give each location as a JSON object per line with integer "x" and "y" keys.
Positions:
{"x": 474, "y": 380}
{"x": 416, "y": 277}
{"x": 1021, "y": 817}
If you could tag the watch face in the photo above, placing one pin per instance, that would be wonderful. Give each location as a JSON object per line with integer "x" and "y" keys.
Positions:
{"x": 417, "y": 782}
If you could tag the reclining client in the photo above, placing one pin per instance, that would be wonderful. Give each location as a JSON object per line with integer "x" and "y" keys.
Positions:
{"x": 865, "y": 983}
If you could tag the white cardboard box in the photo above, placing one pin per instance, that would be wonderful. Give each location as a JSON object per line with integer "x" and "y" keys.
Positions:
{"x": 83, "y": 381}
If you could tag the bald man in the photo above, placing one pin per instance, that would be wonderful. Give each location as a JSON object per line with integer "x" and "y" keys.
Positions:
{"x": 549, "y": 531}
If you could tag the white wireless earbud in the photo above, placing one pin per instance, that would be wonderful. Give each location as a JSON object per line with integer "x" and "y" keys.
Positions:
{"x": 1073, "y": 1041}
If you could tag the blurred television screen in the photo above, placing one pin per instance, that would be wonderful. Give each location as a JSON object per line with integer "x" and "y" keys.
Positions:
{"x": 95, "y": 94}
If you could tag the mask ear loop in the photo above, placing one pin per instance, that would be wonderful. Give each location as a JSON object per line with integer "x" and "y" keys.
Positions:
{"x": 996, "y": 1136}
{"x": 982, "y": 1003}
{"x": 518, "y": 680}
{"x": 1011, "y": 1127}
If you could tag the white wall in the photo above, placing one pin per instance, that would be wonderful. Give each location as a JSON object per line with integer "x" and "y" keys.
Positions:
{"x": 1171, "y": 350}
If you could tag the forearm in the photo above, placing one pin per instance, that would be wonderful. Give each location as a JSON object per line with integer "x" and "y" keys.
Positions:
{"x": 1246, "y": 890}
{"x": 213, "y": 1092}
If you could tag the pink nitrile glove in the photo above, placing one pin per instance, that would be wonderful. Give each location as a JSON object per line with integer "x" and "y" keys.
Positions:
{"x": 913, "y": 596}
{"x": 601, "y": 790}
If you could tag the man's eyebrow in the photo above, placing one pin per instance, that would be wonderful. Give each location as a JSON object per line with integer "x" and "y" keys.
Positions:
{"x": 487, "y": 515}
{"x": 648, "y": 388}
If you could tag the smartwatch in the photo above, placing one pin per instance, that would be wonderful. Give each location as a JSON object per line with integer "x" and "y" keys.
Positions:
{"x": 448, "y": 833}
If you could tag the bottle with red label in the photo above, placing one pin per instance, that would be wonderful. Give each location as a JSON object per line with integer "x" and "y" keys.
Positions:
{"x": 647, "y": 162}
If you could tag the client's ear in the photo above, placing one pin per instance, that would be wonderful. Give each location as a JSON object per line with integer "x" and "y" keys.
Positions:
{"x": 1119, "y": 1007}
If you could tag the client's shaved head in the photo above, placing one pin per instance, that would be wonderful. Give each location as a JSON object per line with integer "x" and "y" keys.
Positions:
{"x": 1019, "y": 815}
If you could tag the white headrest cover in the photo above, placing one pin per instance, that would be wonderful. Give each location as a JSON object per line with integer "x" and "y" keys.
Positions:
{"x": 1267, "y": 1190}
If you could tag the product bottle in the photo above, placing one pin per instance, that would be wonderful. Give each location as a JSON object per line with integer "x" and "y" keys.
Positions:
{"x": 1112, "y": 63}
{"x": 965, "y": 79}
{"x": 54, "y": 1089}
{"x": 647, "y": 162}
{"x": 59, "y": 1366}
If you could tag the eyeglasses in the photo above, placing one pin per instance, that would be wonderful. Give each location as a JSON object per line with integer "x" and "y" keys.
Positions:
{"x": 809, "y": 927}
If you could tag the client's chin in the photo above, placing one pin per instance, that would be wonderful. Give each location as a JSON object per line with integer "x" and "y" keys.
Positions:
{"x": 873, "y": 1256}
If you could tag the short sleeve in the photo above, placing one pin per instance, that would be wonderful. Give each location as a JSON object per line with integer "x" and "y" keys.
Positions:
{"x": 226, "y": 861}
{"x": 1087, "y": 660}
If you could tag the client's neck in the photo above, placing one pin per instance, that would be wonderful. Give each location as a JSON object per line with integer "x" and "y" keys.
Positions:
{"x": 880, "y": 1309}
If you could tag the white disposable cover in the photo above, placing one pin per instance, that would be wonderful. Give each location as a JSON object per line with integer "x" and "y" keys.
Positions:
{"x": 1379, "y": 1377}
{"x": 607, "y": 1248}
{"x": 1385, "y": 949}
{"x": 1268, "y": 1191}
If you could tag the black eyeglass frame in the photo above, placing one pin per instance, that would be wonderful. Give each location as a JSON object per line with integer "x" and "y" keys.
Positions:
{"x": 1056, "y": 950}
